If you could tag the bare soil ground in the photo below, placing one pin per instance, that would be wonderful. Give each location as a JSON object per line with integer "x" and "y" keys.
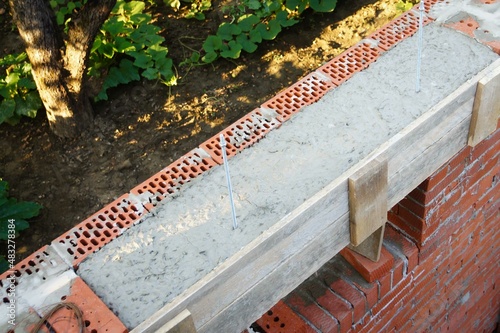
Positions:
{"x": 146, "y": 126}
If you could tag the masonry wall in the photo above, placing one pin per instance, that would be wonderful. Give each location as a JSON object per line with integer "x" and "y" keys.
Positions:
{"x": 439, "y": 269}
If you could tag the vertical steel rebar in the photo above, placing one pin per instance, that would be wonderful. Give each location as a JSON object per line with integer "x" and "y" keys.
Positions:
{"x": 228, "y": 178}
{"x": 420, "y": 42}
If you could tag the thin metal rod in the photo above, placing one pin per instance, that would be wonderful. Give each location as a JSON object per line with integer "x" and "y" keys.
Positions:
{"x": 420, "y": 42}
{"x": 228, "y": 178}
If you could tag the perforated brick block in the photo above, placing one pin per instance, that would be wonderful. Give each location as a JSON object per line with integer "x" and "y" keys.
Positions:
{"x": 399, "y": 29}
{"x": 170, "y": 179}
{"x": 97, "y": 230}
{"x": 43, "y": 262}
{"x": 467, "y": 26}
{"x": 428, "y": 4}
{"x": 304, "y": 92}
{"x": 242, "y": 133}
{"x": 351, "y": 61}
{"x": 39, "y": 266}
{"x": 97, "y": 318}
{"x": 282, "y": 319}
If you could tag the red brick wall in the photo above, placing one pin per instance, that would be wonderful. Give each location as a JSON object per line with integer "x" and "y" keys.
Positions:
{"x": 440, "y": 265}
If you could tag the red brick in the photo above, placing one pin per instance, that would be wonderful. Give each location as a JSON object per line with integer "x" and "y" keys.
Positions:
{"x": 490, "y": 166}
{"x": 307, "y": 307}
{"x": 412, "y": 218}
{"x": 351, "y": 295}
{"x": 404, "y": 245}
{"x": 392, "y": 297}
{"x": 370, "y": 270}
{"x": 446, "y": 205}
{"x": 339, "y": 266}
{"x": 460, "y": 158}
{"x": 435, "y": 179}
{"x": 432, "y": 245}
{"x": 338, "y": 308}
{"x": 414, "y": 206}
{"x": 384, "y": 285}
{"x": 484, "y": 146}
{"x": 418, "y": 195}
{"x": 413, "y": 232}
{"x": 280, "y": 318}
{"x": 398, "y": 271}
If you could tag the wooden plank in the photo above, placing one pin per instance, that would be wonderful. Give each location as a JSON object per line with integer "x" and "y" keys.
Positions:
{"x": 486, "y": 109}
{"x": 372, "y": 245}
{"x": 367, "y": 200}
{"x": 182, "y": 323}
{"x": 243, "y": 287}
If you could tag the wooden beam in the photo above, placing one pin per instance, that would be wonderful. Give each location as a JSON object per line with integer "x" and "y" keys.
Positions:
{"x": 182, "y": 323}
{"x": 486, "y": 109}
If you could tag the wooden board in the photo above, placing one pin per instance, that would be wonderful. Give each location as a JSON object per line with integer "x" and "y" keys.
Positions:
{"x": 486, "y": 109}
{"x": 182, "y": 323}
{"x": 367, "y": 200}
{"x": 246, "y": 285}
{"x": 372, "y": 245}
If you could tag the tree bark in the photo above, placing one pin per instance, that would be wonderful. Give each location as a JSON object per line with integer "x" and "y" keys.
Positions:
{"x": 59, "y": 64}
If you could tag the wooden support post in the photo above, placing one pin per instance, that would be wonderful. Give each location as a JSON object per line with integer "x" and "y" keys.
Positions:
{"x": 368, "y": 208}
{"x": 486, "y": 109}
{"x": 182, "y": 323}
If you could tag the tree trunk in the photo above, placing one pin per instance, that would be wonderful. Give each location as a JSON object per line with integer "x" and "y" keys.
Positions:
{"x": 58, "y": 65}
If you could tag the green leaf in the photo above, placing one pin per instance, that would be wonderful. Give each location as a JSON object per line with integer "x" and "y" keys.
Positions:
{"x": 12, "y": 79}
{"x": 132, "y": 7}
{"x": 97, "y": 44}
{"x": 227, "y": 30}
{"x": 126, "y": 72}
{"x": 7, "y": 108}
{"x": 209, "y": 57}
{"x": 253, "y": 4}
{"x": 140, "y": 18}
{"x": 113, "y": 26}
{"x": 246, "y": 43}
{"x": 269, "y": 31}
{"x": 28, "y": 105}
{"x": 274, "y": 5}
{"x": 298, "y": 5}
{"x": 323, "y": 5}
{"x": 173, "y": 3}
{"x": 247, "y": 22}
{"x": 27, "y": 83}
{"x": 4, "y": 264}
{"x": 233, "y": 51}
{"x": 255, "y": 36}
{"x": 122, "y": 45}
{"x": 195, "y": 57}
{"x": 212, "y": 43}
{"x": 19, "y": 225}
{"x": 142, "y": 60}
{"x": 107, "y": 50}
{"x": 4, "y": 187}
{"x": 284, "y": 21}
{"x": 150, "y": 74}
{"x": 19, "y": 210}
